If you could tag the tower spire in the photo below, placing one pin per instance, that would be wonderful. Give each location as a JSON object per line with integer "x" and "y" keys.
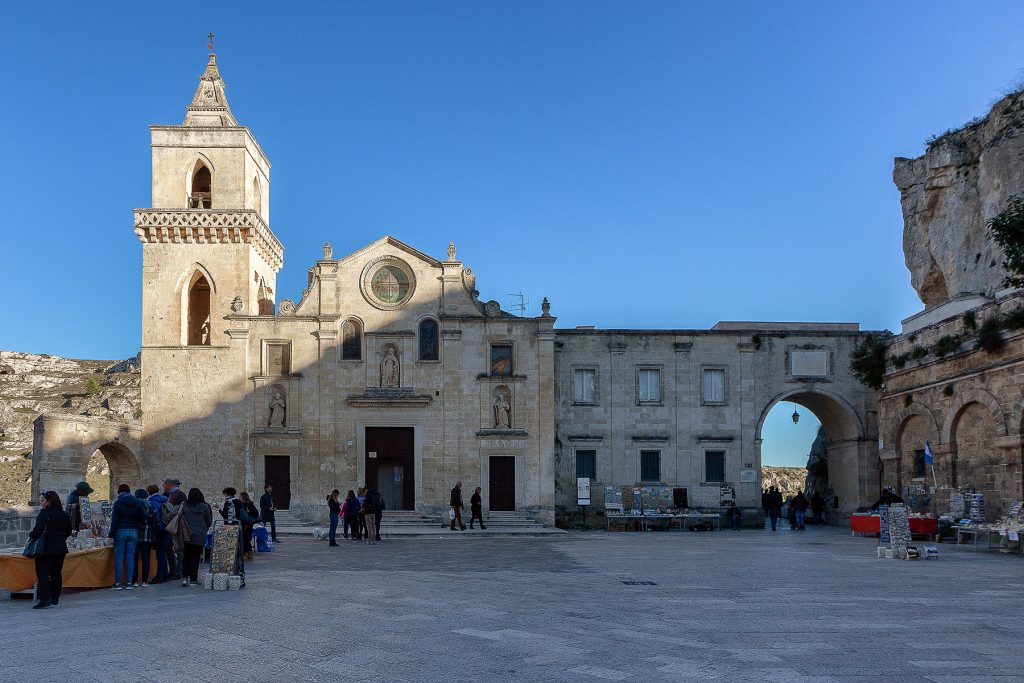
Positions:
{"x": 209, "y": 105}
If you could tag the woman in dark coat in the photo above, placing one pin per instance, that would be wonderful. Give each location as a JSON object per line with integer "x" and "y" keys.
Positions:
{"x": 195, "y": 512}
{"x": 254, "y": 514}
{"x": 55, "y": 526}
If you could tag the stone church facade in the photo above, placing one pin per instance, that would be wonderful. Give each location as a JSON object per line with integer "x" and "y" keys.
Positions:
{"x": 390, "y": 370}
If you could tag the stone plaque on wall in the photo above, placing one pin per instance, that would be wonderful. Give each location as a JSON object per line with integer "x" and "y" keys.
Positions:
{"x": 278, "y": 361}
{"x": 808, "y": 363}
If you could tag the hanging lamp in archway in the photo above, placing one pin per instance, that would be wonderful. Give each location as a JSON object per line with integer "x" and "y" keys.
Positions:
{"x": 795, "y": 415}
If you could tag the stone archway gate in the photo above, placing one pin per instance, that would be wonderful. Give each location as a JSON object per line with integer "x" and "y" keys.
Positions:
{"x": 63, "y": 444}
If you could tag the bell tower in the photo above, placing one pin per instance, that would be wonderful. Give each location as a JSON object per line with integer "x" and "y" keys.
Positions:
{"x": 207, "y": 247}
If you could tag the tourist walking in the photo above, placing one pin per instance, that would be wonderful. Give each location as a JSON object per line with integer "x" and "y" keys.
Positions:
{"x": 267, "y": 511}
{"x": 818, "y": 508}
{"x": 378, "y": 515}
{"x": 799, "y": 506}
{"x": 197, "y": 518}
{"x": 175, "y": 499}
{"x": 53, "y": 525}
{"x": 735, "y": 517}
{"x": 774, "y": 506}
{"x": 74, "y": 505}
{"x": 476, "y": 509}
{"x": 351, "y": 510}
{"x": 147, "y": 536}
{"x": 125, "y": 521}
{"x": 251, "y": 516}
{"x": 161, "y": 539}
{"x": 371, "y": 503}
{"x": 334, "y": 514}
{"x": 456, "y": 503}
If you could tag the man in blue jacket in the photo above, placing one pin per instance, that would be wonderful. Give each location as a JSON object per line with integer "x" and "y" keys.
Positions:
{"x": 163, "y": 539}
{"x": 125, "y": 520}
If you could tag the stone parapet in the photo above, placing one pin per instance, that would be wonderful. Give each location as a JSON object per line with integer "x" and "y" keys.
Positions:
{"x": 210, "y": 226}
{"x": 15, "y": 523}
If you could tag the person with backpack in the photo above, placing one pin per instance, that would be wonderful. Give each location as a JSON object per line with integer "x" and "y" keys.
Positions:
{"x": 125, "y": 520}
{"x": 161, "y": 539}
{"x": 147, "y": 536}
{"x": 351, "y": 512}
{"x": 253, "y": 516}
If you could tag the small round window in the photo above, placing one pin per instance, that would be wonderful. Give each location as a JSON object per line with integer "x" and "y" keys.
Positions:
{"x": 390, "y": 285}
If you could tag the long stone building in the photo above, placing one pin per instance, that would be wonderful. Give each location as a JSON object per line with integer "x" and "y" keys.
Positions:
{"x": 390, "y": 370}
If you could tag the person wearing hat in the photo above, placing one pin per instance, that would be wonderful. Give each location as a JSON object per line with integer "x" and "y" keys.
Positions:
{"x": 74, "y": 506}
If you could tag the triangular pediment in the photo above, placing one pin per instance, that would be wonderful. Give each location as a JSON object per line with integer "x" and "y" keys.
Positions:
{"x": 396, "y": 244}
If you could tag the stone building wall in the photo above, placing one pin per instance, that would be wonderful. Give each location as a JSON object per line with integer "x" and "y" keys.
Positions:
{"x": 758, "y": 361}
{"x": 15, "y": 523}
{"x": 967, "y": 403}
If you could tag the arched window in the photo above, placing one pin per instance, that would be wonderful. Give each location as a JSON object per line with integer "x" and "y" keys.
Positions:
{"x": 257, "y": 195}
{"x": 199, "y": 311}
{"x": 201, "y": 196}
{"x": 351, "y": 340}
{"x": 429, "y": 348}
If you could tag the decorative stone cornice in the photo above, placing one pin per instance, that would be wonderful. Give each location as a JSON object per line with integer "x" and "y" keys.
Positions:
{"x": 389, "y": 398}
{"x": 210, "y": 226}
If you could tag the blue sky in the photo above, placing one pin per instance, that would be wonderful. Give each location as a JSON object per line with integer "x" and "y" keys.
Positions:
{"x": 725, "y": 161}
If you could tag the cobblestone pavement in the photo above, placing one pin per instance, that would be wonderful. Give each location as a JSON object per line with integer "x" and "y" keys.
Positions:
{"x": 736, "y": 606}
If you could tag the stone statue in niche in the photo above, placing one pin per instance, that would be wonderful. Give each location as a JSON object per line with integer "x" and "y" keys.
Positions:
{"x": 278, "y": 406}
{"x": 502, "y": 412}
{"x": 390, "y": 370}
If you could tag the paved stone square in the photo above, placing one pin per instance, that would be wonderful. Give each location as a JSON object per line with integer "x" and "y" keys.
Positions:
{"x": 736, "y": 606}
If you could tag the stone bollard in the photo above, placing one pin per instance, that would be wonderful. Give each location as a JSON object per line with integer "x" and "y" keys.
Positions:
{"x": 234, "y": 583}
{"x": 220, "y": 582}
{"x": 207, "y": 581}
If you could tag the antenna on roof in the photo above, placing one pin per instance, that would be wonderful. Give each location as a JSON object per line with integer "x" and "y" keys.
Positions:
{"x": 519, "y": 303}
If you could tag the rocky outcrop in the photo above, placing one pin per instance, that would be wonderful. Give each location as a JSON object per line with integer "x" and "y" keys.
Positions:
{"x": 32, "y": 384}
{"x": 950, "y": 193}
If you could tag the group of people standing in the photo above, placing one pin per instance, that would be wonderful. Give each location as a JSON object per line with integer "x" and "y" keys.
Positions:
{"x": 796, "y": 506}
{"x": 164, "y": 519}
{"x": 361, "y": 511}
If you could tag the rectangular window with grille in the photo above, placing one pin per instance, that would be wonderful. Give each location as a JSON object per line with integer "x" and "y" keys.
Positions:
{"x": 650, "y": 465}
{"x": 714, "y": 466}
{"x": 649, "y": 385}
{"x": 714, "y": 386}
{"x": 586, "y": 464}
{"x": 583, "y": 386}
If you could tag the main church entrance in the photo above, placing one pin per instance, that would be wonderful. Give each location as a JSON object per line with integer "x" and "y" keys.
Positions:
{"x": 390, "y": 465}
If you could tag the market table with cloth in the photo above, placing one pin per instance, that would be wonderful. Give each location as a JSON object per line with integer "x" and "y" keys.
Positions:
{"x": 93, "y": 568}
{"x": 871, "y": 524}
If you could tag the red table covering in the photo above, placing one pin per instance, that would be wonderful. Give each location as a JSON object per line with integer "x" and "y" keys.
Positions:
{"x": 870, "y": 524}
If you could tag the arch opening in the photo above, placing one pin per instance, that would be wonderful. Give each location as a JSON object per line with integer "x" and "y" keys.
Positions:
{"x": 201, "y": 187}
{"x": 984, "y": 468}
{"x": 351, "y": 340}
{"x": 813, "y": 442}
{"x": 109, "y": 465}
{"x": 198, "y": 308}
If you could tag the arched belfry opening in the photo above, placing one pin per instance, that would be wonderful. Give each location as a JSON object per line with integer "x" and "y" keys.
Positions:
{"x": 198, "y": 309}
{"x": 201, "y": 187}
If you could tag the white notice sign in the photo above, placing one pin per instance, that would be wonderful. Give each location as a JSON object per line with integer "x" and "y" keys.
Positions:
{"x": 583, "y": 490}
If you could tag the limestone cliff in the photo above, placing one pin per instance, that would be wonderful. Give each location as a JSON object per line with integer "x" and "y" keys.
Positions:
{"x": 948, "y": 195}
{"x": 32, "y": 384}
